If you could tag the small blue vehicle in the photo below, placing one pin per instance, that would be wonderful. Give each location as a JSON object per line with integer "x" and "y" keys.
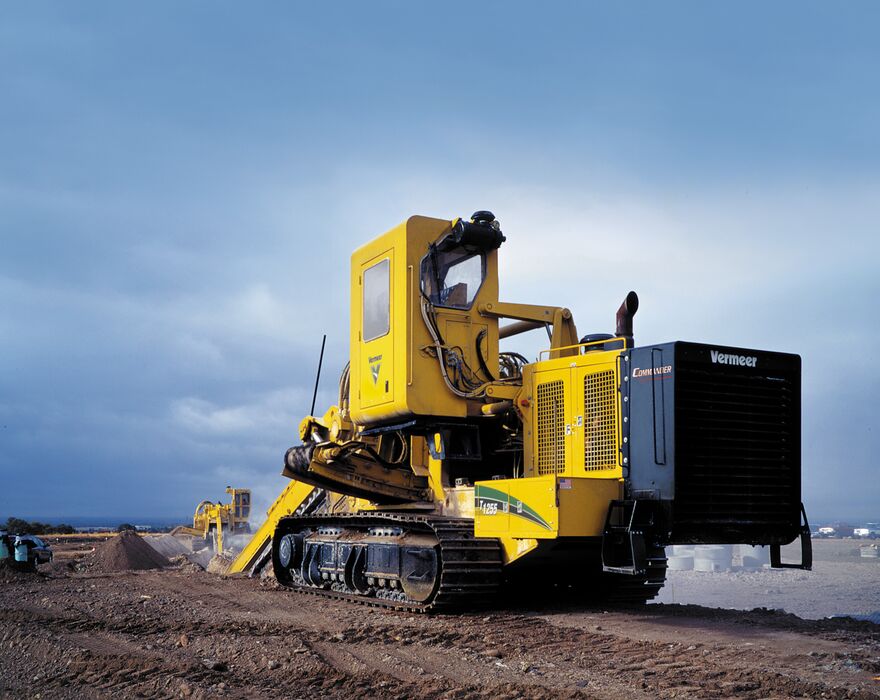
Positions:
{"x": 24, "y": 552}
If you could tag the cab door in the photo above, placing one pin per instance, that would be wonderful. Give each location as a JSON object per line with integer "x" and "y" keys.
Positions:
{"x": 376, "y": 352}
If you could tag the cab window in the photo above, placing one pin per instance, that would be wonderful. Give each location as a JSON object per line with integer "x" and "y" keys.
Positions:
{"x": 377, "y": 300}
{"x": 452, "y": 278}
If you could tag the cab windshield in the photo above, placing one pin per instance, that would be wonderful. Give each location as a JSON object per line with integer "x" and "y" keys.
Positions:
{"x": 452, "y": 278}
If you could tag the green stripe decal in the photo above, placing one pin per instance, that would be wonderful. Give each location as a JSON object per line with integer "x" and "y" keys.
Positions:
{"x": 487, "y": 493}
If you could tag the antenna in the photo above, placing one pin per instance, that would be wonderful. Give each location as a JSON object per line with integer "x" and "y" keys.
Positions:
{"x": 318, "y": 378}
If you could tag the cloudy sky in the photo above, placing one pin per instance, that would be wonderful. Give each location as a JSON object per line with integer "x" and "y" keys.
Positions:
{"x": 181, "y": 185}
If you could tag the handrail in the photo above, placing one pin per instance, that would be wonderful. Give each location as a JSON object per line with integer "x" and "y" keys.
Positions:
{"x": 583, "y": 345}
{"x": 412, "y": 321}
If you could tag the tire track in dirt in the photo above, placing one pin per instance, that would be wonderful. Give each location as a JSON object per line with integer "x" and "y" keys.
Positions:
{"x": 660, "y": 666}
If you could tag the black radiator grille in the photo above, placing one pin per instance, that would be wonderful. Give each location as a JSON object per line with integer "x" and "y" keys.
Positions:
{"x": 737, "y": 446}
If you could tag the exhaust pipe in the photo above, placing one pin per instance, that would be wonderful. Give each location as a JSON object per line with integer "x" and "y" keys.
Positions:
{"x": 625, "y": 318}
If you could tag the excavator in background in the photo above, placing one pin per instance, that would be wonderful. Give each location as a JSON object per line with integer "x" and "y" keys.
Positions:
{"x": 213, "y": 521}
{"x": 449, "y": 467}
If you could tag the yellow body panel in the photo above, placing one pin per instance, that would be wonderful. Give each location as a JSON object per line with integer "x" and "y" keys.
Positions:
{"x": 512, "y": 548}
{"x": 530, "y": 509}
{"x": 571, "y": 416}
{"x": 583, "y": 505}
{"x": 543, "y": 507}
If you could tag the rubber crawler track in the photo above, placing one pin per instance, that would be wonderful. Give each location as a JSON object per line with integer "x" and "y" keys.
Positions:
{"x": 470, "y": 568}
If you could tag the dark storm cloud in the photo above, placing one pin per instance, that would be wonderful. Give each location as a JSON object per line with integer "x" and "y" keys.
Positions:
{"x": 181, "y": 188}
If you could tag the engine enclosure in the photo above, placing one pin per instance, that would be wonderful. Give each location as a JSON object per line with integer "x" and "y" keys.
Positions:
{"x": 714, "y": 434}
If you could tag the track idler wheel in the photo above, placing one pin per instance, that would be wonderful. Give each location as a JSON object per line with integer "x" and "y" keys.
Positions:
{"x": 287, "y": 557}
{"x": 419, "y": 570}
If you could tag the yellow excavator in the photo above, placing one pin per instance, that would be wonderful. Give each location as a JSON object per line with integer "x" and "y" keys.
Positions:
{"x": 213, "y": 521}
{"x": 449, "y": 467}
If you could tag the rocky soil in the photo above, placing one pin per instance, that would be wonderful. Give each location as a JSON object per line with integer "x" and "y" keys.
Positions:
{"x": 184, "y": 633}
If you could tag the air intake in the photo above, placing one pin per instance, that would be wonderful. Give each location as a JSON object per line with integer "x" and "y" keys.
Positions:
{"x": 551, "y": 427}
{"x": 600, "y": 421}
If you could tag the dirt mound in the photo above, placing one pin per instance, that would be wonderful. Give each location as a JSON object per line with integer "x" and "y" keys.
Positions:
{"x": 127, "y": 551}
{"x": 185, "y": 565}
{"x": 12, "y": 574}
{"x": 61, "y": 568}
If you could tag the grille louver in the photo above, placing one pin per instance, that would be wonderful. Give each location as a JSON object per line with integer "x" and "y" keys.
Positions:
{"x": 600, "y": 421}
{"x": 551, "y": 427}
{"x": 738, "y": 437}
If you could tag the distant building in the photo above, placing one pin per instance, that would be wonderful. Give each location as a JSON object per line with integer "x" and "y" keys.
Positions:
{"x": 826, "y": 531}
{"x": 861, "y": 532}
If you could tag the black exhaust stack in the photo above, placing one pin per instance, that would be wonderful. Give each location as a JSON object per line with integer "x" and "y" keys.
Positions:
{"x": 625, "y": 318}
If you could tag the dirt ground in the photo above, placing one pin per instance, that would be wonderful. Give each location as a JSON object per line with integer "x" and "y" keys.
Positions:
{"x": 184, "y": 633}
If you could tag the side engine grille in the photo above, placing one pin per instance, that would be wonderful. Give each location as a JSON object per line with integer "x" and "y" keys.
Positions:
{"x": 600, "y": 421}
{"x": 738, "y": 446}
{"x": 551, "y": 427}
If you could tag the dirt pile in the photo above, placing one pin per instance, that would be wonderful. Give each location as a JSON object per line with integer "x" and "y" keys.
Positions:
{"x": 63, "y": 567}
{"x": 127, "y": 551}
{"x": 184, "y": 564}
{"x": 11, "y": 574}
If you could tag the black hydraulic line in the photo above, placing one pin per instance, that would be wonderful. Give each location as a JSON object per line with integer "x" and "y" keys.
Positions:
{"x": 461, "y": 365}
{"x": 318, "y": 377}
{"x": 437, "y": 281}
{"x": 433, "y": 316}
{"x": 482, "y": 334}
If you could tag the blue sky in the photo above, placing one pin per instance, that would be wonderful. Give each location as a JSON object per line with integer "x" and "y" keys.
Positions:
{"x": 181, "y": 186}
